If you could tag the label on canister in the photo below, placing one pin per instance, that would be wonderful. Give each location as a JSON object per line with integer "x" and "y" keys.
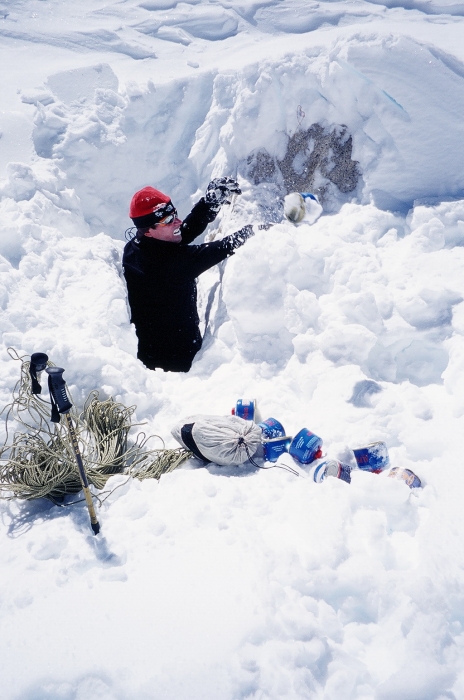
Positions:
{"x": 332, "y": 467}
{"x": 272, "y": 449}
{"x": 245, "y": 408}
{"x": 306, "y": 446}
{"x": 373, "y": 457}
{"x": 406, "y": 475}
{"x": 271, "y": 428}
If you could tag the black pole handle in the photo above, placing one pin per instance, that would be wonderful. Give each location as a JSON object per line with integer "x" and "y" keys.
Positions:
{"x": 38, "y": 364}
{"x": 58, "y": 395}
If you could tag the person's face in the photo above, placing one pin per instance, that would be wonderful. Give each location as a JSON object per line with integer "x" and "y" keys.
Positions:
{"x": 166, "y": 232}
{"x": 168, "y": 229}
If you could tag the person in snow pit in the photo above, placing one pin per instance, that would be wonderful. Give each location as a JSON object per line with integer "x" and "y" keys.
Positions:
{"x": 161, "y": 268}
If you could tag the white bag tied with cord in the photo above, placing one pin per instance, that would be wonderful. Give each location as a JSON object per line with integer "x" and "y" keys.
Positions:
{"x": 224, "y": 440}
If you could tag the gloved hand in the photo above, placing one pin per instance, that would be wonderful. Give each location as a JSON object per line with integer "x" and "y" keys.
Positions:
{"x": 220, "y": 191}
{"x": 238, "y": 238}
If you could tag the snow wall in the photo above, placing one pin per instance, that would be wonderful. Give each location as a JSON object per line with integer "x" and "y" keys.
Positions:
{"x": 401, "y": 103}
{"x": 95, "y": 151}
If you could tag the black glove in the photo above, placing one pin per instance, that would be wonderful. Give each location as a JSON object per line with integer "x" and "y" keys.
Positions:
{"x": 238, "y": 238}
{"x": 220, "y": 190}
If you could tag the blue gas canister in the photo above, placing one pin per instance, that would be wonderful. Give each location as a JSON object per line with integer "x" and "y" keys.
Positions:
{"x": 245, "y": 408}
{"x": 273, "y": 448}
{"x": 306, "y": 446}
{"x": 406, "y": 475}
{"x": 332, "y": 467}
{"x": 373, "y": 457}
{"x": 271, "y": 428}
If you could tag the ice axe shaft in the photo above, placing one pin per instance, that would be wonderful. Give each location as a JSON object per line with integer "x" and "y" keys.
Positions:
{"x": 62, "y": 405}
{"x": 84, "y": 481}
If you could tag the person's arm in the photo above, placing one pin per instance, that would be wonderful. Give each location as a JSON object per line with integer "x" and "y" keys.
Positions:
{"x": 237, "y": 239}
{"x": 202, "y": 257}
{"x": 202, "y": 214}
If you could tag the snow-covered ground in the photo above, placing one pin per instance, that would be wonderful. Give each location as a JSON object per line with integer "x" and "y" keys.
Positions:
{"x": 235, "y": 583}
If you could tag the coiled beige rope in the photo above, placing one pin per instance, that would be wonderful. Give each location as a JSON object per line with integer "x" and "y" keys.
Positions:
{"x": 39, "y": 461}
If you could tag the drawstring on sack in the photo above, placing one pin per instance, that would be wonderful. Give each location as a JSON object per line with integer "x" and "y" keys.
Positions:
{"x": 285, "y": 467}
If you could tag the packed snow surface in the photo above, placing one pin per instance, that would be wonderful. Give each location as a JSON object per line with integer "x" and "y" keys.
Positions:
{"x": 236, "y": 583}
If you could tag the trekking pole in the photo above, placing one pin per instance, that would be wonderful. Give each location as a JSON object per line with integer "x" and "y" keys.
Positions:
{"x": 37, "y": 365}
{"x": 62, "y": 404}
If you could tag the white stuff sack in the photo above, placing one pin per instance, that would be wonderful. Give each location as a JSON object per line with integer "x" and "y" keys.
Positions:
{"x": 224, "y": 440}
{"x": 302, "y": 207}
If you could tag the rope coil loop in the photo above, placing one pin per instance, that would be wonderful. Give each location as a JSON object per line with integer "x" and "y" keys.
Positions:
{"x": 39, "y": 460}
